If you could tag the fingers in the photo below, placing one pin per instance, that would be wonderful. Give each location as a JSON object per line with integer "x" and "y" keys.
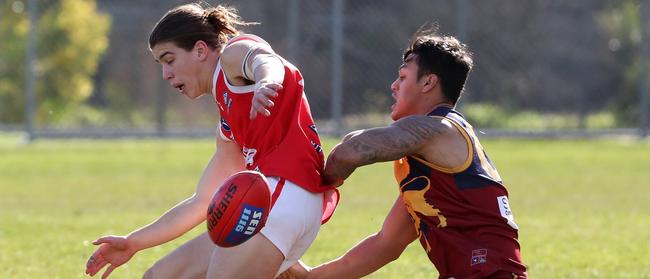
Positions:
{"x": 95, "y": 263}
{"x": 92, "y": 261}
{"x": 262, "y": 99}
{"x": 298, "y": 271}
{"x": 269, "y": 90}
{"x": 95, "y": 269}
{"x": 261, "y": 110}
{"x": 275, "y": 86}
{"x": 104, "y": 239}
{"x": 113, "y": 241}
{"x": 108, "y": 271}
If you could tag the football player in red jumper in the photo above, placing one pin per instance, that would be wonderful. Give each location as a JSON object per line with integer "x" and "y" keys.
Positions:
{"x": 265, "y": 125}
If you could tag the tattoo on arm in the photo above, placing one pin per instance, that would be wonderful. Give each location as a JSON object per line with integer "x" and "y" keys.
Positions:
{"x": 404, "y": 137}
{"x": 351, "y": 135}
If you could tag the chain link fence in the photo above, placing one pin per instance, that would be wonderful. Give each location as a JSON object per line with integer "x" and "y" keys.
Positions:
{"x": 541, "y": 66}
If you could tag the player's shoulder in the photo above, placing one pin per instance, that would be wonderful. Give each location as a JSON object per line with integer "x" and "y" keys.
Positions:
{"x": 246, "y": 41}
{"x": 235, "y": 51}
{"x": 441, "y": 142}
{"x": 425, "y": 124}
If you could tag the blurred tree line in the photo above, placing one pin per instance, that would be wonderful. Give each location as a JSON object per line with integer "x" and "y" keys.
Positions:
{"x": 623, "y": 22}
{"x": 71, "y": 37}
{"x": 550, "y": 56}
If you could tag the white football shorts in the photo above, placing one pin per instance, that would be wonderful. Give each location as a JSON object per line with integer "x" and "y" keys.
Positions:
{"x": 294, "y": 221}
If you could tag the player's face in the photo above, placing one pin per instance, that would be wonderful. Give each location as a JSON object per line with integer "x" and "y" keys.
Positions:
{"x": 180, "y": 67}
{"x": 405, "y": 90}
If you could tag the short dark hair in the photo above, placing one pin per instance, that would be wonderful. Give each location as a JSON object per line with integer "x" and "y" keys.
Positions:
{"x": 444, "y": 56}
{"x": 186, "y": 24}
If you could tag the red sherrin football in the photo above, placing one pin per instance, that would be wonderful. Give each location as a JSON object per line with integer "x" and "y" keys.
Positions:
{"x": 239, "y": 208}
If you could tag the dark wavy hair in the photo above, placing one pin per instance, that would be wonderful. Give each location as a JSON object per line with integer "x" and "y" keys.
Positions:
{"x": 444, "y": 56}
{"x": 186, "y": 24}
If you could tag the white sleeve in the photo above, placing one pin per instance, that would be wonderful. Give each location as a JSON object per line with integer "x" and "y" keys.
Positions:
{"x": 248, "y": 71}
{"x": 254, "y": 60}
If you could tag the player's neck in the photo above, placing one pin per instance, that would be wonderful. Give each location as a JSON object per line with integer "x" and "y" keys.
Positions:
{"x": 442, "y": 104}
{"x": 209, "y": 71}
{"x": 435, "y": 105}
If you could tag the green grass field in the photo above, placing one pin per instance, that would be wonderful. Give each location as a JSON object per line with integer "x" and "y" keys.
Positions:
{"x": 583, "y": 207}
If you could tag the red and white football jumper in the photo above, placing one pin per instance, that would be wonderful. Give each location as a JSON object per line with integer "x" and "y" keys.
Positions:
{"x": 284, "y": 144}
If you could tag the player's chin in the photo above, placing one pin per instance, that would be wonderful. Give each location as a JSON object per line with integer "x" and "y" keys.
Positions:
{"x": 394, "y": 115}
{"x": 194, "y": 95}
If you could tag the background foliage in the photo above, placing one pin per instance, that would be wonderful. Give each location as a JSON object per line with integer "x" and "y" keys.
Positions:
{"x": 575, "y": 60}
{"x": 71, "y": 38}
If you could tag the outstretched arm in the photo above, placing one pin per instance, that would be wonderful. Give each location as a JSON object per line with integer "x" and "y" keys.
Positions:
{"x": 403, "y": 137}
{"x": 187, "y": 214}
{"x": 117, "y": 250}
{"x": 368, "y": 255}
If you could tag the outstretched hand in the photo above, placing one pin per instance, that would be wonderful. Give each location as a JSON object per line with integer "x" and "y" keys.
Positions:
{"x": 264, "y": 92}
{"x": 113, "y": 250}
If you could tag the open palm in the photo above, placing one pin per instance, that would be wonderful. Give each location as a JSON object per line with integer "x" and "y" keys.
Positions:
{"x": 113, "y": 250}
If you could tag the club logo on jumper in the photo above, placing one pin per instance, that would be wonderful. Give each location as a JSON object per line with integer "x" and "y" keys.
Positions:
{"x": 249, "y": 220}
{"x": 216, "y": 210}
{"x": 249, "y": 155}
{"x": 227, "y": 101}
{"x": 224, "y": 125}
{"x": 479, "y": 256}
{"x": 225, "y": 128}
{"x": 313, "y": 128}
{"x": 506, "y": 212}
{"x": 317, "y": 146}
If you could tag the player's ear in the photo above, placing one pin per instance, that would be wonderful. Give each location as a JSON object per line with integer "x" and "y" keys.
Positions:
{"x": 200, "y": 50}
{"x": 429, "y": 82}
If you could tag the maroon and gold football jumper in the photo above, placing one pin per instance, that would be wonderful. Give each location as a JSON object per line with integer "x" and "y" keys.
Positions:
{"x": 462, "y": 215}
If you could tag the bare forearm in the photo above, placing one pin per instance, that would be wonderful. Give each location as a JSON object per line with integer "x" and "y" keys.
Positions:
{"x": 174, "y": 223}
{"x": 375, "y": 251}
{"x": 337, "y": 168}
{"x": 357, "y": 149}
{"x": 365, "y": 258}
{"x": 192, "y": 211}
{"x": 364, "y": 147}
